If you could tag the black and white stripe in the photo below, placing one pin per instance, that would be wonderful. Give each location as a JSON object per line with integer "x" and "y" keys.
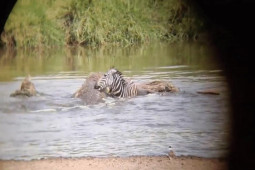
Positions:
{"x": 115, "y": 85}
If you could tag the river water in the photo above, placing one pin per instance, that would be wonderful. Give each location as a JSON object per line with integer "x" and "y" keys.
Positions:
{"x": 53, "y": 124}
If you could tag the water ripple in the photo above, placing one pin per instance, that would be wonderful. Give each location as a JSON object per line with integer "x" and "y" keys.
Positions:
{"x": 56, "y": 125}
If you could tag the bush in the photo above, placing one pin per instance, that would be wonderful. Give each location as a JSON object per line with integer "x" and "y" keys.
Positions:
{"x": 91, "y": 22}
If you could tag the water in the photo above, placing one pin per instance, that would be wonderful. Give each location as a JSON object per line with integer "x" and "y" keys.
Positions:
{"x": 54, "y": 124}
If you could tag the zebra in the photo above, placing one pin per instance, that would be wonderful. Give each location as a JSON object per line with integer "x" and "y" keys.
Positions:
{"x": 115, "y": 85}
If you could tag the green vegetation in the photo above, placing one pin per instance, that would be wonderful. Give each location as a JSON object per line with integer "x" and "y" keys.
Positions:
{"x": 34, "y": 23}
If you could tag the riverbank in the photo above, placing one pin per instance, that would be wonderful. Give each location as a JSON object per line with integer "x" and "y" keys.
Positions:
{"x": 112, "y": 163}
{"x": 99, "y": 23}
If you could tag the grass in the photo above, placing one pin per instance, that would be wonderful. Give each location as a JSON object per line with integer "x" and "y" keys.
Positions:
{"x": 35, "y": 23}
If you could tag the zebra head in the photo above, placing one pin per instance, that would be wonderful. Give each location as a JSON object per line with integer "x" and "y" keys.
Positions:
{"x": 108, "y": 81}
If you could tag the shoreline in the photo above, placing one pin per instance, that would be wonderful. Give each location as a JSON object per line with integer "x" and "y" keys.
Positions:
{"x": 112, "y": 163}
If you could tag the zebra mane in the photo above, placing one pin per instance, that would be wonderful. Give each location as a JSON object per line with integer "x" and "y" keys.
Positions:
{"x": 115, "y": 71}
{"x": 118, "y": 72}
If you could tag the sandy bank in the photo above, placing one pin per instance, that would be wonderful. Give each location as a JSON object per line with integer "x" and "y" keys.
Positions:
{"x": 136, "y": 162}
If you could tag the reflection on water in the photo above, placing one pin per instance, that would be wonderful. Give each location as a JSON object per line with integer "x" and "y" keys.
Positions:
{"x": 86, "y": 60}
{"x": 54, "y": 124}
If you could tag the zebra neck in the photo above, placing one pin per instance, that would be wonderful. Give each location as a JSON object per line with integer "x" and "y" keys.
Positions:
{"x": 119, "y": 87}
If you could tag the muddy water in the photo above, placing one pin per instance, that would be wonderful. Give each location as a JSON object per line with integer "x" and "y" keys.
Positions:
{"x": 53, "y": 124}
